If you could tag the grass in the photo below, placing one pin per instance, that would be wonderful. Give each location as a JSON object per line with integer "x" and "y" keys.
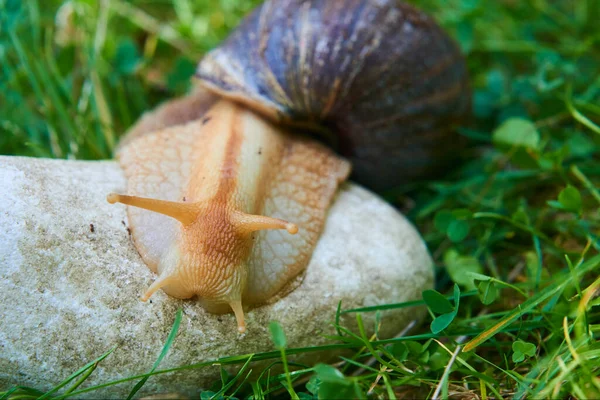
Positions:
{"x": 514, "y": 231}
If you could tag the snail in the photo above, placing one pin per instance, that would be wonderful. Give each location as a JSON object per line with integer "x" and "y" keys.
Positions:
{"x": 236, "y": 180}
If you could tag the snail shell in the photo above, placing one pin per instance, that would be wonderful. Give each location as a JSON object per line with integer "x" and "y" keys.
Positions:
{"x": 389, "y": 83}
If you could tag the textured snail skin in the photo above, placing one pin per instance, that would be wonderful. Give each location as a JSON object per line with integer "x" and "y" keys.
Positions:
{"x": 213, "y": 198}
{"x": 382, "y": 75}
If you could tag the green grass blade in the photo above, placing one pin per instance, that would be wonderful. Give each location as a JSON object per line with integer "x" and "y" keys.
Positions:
{"x": 21, "y": 392}
{"x": 540, "y": 297}
{"x": 234, "y": 380}
{"x": 162, "y": 355}
{"x": 91, "y": 364}
{"x": 405, "y": 304}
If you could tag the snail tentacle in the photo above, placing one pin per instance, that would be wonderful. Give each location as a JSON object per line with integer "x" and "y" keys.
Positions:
{"x": 186, "y": 213}
{"x": 238, "y": 310}
{"x": 248, "y": 223}
{"x": 161, "y": 282}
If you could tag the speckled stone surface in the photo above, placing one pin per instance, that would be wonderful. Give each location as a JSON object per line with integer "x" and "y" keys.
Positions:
{"x": 70, "y": 281}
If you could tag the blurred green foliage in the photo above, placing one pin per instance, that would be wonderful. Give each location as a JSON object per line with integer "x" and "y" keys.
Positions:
{"x": 75, "y": 74}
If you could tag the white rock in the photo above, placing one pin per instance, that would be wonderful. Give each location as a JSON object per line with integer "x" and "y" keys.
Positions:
{"x": 70, "y": 281}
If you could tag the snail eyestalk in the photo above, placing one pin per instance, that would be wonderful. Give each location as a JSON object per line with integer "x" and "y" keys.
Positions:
{"x": 185, "y": 213}
{"x": 249, "y": 223}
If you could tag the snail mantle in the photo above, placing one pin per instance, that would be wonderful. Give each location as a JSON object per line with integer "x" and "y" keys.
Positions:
{"x": 70, "y": 280}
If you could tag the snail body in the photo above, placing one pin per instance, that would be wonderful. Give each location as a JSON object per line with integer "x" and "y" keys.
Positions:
{"x": 239, "y": 198}
{"x": 210, "y": 184}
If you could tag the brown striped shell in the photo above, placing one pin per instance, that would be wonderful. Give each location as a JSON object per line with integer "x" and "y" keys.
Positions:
{"x": 379, "y": 74}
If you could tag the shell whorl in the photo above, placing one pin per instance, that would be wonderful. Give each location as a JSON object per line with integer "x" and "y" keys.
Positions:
{"x": 379, "y": 73}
